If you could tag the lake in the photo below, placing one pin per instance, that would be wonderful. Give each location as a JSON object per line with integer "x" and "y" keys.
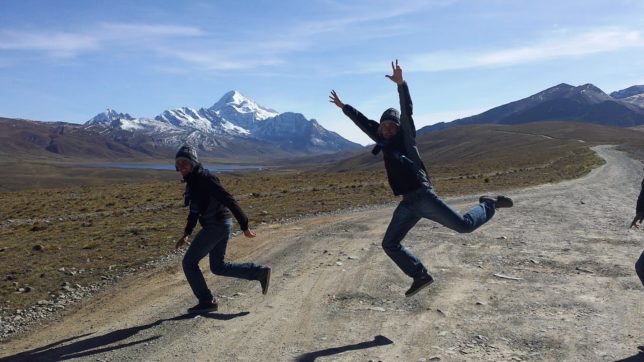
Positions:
{"x": 170, "y": 166}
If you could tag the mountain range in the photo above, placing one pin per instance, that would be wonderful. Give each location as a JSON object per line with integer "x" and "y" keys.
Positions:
{"x": 564, "y": 102}
{"x": 236, "y": 129}
{"x": 234, "y": 125}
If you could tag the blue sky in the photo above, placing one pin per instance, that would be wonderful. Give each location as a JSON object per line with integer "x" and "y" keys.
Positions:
{"x": 69, "y": 60}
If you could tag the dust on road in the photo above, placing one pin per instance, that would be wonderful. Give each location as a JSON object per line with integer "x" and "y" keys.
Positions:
{"x": 335, "y": 296}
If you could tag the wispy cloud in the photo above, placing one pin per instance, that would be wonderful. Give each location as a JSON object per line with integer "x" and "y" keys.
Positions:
{"x": 561, "y": 46}
{"x": 601, "y": 41}
{"x": 73, "y": 44}
{"x": 56, "y": 44}
{"x": 262, "y": 49}
{"x": 144, "y": 30}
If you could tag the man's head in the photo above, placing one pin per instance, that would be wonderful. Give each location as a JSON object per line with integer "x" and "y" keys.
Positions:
{"x": 185, "y": 160}
{"x": 389, "y": 123}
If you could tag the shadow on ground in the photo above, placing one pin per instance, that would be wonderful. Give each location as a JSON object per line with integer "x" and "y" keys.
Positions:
{"x": 639, "y": 357}
{"x": 60, "y": 351}
{"x": 377, "y": 341}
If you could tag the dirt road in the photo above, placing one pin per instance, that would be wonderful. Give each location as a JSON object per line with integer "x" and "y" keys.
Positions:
{"x": 335, "y": 296}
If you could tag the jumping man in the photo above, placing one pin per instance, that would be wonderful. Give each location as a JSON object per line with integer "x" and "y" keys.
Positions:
{"x": 395, "y": 136}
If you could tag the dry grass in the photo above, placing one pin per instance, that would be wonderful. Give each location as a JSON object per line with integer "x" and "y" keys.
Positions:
{"x": 97, "y": 231}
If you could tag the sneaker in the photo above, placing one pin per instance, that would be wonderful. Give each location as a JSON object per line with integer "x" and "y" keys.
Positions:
{"x": 204, "y": 307}
{"x": 499, "y": 201}
{"x": 419, "y": 283}
{"x": 265, "y": 279}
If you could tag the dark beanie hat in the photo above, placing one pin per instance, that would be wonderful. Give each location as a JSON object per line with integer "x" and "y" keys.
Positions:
{"x": 187, "y": 152}
{"x": 390, "y": 115}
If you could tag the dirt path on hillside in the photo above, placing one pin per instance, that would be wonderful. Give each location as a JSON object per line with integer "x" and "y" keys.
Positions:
{"x": 335, "y": 296}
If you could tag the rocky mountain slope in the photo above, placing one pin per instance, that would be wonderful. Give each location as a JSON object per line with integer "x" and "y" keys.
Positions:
{"x": 564, "y": 102}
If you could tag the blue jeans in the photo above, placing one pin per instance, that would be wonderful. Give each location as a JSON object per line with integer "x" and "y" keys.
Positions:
{"x": 212, "y": 240}
{"x": 424, "y": 203}
{"x": 639, "y": 267}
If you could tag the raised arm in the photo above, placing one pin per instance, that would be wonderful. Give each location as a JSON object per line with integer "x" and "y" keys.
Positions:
{"x": 369, "y": 127}
{"x": 406, "y": 105}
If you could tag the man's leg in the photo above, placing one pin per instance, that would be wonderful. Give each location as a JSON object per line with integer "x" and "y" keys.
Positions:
{"x": 639, "y": 267}
{"x": 218, "y": 266}
{"x": 402, "y": 221}
{"x": 430, "y": 206}
{"x": 199, "y": 248}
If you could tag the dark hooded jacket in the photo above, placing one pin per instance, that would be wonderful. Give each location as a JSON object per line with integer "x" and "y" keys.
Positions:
{"x": 405, "y": 170}
{"x": 209, "y": 201}
{"x": 640, "y": 201}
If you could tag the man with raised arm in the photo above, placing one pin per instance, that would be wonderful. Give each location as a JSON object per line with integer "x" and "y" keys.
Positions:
{"x": 395, "y": 136}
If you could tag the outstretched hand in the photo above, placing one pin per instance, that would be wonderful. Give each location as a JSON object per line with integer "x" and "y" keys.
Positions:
{"x": 639, "y": 217}
{"x": 249, "y": 233}
{"x": 397, "y": 76}
{"x": 333, "y": 98}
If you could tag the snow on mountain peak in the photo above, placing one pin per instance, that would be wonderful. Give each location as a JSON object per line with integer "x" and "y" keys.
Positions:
{"x": 233, "y": 118}
{"x": 237, "y": 102}
{"x": 109, "y": 117}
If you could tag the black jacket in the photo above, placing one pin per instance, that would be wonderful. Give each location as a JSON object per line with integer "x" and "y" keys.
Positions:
{"x": 640, "y": 201}
{"x": 405, "y": 170}
{"x": 209, "y": 201}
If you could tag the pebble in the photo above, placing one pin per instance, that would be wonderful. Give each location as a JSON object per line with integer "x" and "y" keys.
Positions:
{"x": 25, "y": 319}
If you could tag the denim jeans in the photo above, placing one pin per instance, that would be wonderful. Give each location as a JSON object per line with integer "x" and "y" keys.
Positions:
{"x": 212, "y": 240}
{"x": 639, "y": 267}
{"x": 424, "y": 203}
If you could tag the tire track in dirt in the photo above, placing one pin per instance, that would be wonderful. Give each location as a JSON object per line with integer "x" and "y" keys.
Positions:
{"x": 333, "y": 289}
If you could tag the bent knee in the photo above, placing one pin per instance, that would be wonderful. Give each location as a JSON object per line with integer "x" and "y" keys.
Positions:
{"x": 639, "y": 266}
{"x": 464, "y": 228}
{"x": 388, "y": 246}
{"x": 217, "y": 268}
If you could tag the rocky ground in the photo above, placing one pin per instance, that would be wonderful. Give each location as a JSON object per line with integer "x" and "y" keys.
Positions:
{"x": 551, "y": 279}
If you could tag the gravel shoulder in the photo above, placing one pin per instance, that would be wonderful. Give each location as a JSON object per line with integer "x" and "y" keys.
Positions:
{"x": 551, "y": 279}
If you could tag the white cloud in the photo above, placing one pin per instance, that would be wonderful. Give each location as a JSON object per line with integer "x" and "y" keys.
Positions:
{"x": 72, "y": 44}
{"x": 219, "y": 61}
{"x": 601, "y": 41}
{"x": 561, "y": 46}
{"x": 144, "y": 30}
{"x": 57, "y": 44}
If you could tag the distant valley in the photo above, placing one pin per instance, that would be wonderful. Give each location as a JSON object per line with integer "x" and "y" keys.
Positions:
{"x": 235, "y": 129}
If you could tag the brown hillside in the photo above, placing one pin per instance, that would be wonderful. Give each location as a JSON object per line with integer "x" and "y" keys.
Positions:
{"x": 22, "y": 139}
{"x": 487, "y": 147}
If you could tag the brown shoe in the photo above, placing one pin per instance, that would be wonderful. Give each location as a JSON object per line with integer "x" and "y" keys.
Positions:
{"x": 419, "y": 283}
{"x": 499, "y": 201}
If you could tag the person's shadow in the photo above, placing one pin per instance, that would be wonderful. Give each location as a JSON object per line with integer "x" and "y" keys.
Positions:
{"x": 639, "y": 357}
{"x": 377, "y": 341}
{"x": 86, "y": 347}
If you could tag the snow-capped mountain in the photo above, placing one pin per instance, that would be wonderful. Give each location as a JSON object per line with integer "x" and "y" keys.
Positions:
{"x": 110, "y": 118}
{"x": 633, "y": 95}
{"x": 241, "y": 110}
{"x": 637, "y": 99}
{"x": 628, "y": 92}
{"x": 231, "y": 122}
{"x": 294, "y": 132}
